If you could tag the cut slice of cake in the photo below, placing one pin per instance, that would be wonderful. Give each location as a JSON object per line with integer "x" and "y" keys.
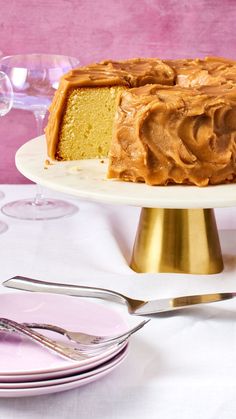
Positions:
{"x": 87, "y": 123}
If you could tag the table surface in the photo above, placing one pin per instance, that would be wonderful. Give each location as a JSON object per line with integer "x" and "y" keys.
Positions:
{"x": 180, "y": 365}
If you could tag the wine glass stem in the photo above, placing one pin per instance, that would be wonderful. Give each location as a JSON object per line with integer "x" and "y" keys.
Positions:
{"x": 39, "y": 117}
{"x": 39, "y": 198}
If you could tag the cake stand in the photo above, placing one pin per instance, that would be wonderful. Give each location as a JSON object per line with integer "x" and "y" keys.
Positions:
{"x": 177, "y": 230}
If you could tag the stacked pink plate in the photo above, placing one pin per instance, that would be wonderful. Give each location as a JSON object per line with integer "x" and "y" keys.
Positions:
{"x": 28, "y": 369}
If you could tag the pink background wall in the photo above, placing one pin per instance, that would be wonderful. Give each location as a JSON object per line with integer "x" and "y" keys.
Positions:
{"x": 98, "y": 29}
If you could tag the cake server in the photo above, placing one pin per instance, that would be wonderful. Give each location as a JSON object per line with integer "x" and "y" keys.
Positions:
{"x": 137, "y": 307}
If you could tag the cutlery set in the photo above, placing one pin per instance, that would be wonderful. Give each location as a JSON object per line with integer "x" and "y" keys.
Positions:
{"x": 86, "y": 345}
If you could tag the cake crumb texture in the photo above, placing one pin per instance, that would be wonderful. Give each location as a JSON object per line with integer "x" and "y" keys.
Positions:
{"x": 86, "y": 128}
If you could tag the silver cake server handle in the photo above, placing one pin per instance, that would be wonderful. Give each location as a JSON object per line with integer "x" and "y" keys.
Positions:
{"x": 137, "y": 307}
{"x": 29, "y": 284}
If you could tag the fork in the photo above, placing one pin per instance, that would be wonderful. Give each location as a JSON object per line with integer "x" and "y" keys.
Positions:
{"x": 61, "y": 349}
{"x": 88, "y": 341}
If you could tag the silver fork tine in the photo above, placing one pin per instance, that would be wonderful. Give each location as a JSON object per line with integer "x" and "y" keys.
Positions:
{"x": 84, "y": 339}
{"x": 114, "y": 340}
{"x": 63, "y": 350}
{"x": 93, "y": 348}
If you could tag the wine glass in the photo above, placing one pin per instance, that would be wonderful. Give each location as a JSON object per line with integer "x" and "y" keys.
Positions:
{"x": 34, "y": 78}
{"x": 6, "y": 100}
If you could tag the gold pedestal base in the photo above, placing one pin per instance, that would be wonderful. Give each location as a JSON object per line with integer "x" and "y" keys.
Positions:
{"x": 177, "y": 240}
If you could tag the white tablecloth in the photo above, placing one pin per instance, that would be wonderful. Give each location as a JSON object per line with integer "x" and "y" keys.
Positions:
{"x": 179, "y": 366}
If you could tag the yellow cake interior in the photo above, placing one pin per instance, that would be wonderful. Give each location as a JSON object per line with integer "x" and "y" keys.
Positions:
{"x": 86, "y": 128}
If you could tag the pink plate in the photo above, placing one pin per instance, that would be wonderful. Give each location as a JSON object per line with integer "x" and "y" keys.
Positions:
{"x": 55, "y": 386}
{"x": 22, "y": 359}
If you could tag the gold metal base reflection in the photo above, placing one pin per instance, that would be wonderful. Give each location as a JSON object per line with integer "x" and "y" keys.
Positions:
{"x": 177, "y": 240}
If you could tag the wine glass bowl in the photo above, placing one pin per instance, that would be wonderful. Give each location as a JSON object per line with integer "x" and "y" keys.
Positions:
{"x": 35, "y": 78}
{"x": 6, "y": 94}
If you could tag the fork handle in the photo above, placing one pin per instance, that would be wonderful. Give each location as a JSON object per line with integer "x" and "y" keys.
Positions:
{"x": 63, "y": 350}
{"x": 29, "y": 284}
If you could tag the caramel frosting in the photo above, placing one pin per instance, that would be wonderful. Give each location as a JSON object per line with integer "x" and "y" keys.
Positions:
{"x": 207, "y": 71}
{"x": 175, "y": 135}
